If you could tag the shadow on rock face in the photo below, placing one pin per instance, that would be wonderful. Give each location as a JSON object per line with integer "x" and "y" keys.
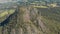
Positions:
{"x": 5, "y": 22}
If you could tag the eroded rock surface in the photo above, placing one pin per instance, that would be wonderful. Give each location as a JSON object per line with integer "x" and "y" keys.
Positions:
{"x": 25, "y": 21}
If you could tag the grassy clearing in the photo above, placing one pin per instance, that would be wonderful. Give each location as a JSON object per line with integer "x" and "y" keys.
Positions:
{"x": 5, "y": 14}
{"x": 40, "y": 6}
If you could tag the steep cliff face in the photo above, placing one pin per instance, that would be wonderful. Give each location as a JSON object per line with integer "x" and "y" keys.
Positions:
{"x": 22, "y": 22}
{"x": 27, "y": 20}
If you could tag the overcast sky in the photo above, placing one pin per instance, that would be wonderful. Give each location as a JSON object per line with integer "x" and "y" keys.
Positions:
{"x": 4, "y": 0}
{"x": 1, "y": 1}
{"x": 20, "y": 0}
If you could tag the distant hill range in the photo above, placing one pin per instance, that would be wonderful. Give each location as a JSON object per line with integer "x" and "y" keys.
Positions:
{"x": 12, "y": 3}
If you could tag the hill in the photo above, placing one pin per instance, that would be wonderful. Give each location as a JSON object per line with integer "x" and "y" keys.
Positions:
{"x": 29, "y": 20}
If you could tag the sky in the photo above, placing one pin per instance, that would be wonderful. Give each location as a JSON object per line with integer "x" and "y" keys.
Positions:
{"x": 1, "y": 1}
{"x": 4, "y": 0}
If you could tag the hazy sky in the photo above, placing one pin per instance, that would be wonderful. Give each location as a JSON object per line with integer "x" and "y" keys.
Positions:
{"x": 20, "y": 0}
{"x": 1, "y": 1}
{"x": 4, "y": 0}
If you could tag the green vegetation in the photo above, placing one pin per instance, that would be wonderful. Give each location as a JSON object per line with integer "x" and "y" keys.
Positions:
{"x": 5, "y": 14}
{"x": 40, "y": 6}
